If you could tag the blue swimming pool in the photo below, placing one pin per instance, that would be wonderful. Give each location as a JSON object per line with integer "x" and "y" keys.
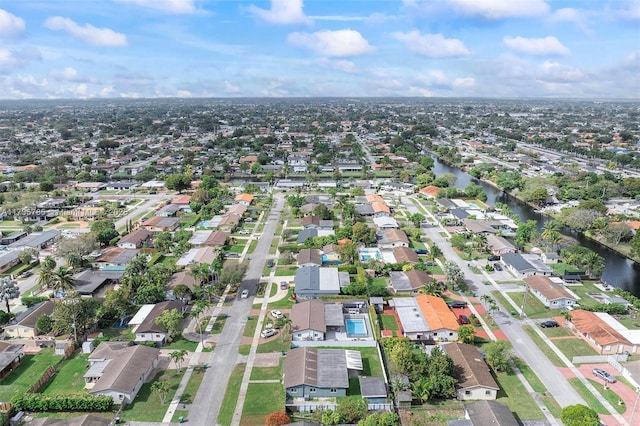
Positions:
{"x": 356, "y": 328}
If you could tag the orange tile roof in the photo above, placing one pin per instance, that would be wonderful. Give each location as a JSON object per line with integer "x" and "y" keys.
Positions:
{"x": 181, "y": 199}
{"x": 590, "y": 324}
{"x": 430, "y": 190}
{"x": 436, "y": 313}
{"x": 374, "y": 197}
{"x": 244, "y": 197}
{"x": 633, "y": 224}
{"x": 380, "y": 207}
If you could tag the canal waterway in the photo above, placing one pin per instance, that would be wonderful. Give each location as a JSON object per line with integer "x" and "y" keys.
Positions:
{"x": 619, "y": 272}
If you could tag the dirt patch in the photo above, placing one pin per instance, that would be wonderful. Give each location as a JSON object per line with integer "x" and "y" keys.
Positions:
{"x": 267, "y": 360}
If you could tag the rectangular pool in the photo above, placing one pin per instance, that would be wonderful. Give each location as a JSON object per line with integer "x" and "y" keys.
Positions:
{"x": 356, "y": 328}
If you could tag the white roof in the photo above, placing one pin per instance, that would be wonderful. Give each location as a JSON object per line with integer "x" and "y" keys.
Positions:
{"x": 142, "y": 313}
{"x": 329, "y": 279}
{"x": 188, "y": 257}
{"x": 354, "y": 360}
{"x": 199, "y": 237}
{"x": 410, "y": 315}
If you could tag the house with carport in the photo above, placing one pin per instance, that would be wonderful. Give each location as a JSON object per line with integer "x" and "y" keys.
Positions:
{"x": 313, "y": 319}
{"x": 551, "y": 291}
{"x": 144, "y": 325}
{"x": 604, "y": 333}
{"x": 407, "y": 282}
{"x": 425, "y": 318}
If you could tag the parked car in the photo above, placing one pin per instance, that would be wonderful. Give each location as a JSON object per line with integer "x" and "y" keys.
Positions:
{"x": 244, "y": 294}
{"x": 421, "y": 251}
{"x": 457, "y": 305}
{"x": 604, "y": 375}
{"x": 549, "y": 324}
{"x": 277, "y": 314}
{"x": 284, "y": 285}
{"x": 25, "y": 274}
{"x": 463, "y": 319}
{"x": 442, "y": 285}
{"x": 268, "y": 332}
{"x": 497, "y": 267}
{"x": 493, "y": 258}
{"x": 270, "y": 263}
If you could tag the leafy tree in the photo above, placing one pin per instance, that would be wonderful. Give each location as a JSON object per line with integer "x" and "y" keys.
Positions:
{"x": 232, "y": 274}
{"x": 453, "y": 273}
{"x": 417, "y": 219}
{"x": 26, "y": 256}
{"x": 163, "y": 242}
{"x": 466, "y": 333}
{"x": 162, "y": 389}
{"x": 380, "y": 419}
{"x": 8, "y": 290}
{"x": 323, "y": 212}
{"x": 74, "y": 314}
{"x": 105, "y": 236}
{"x": 177, "y": 182}
{"x": 615, "y": 233}
{"x": 348, "y": 253}
{"x": 351, "y": 410}
{"x": 172, "y": 321}
{"x": 362, "y": 233}
{"x": 100, "y": 225}
{"x": 44, "y": 324}
{"x": 498, "y": 355}
{"x": 421, "y": 389}
{"x": 79, "y": 246}
{"x": 579, "y": 415}
{"x": 525, "y": 232}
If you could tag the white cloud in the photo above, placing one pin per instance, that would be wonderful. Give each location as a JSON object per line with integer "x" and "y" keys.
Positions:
{"x": 498, "y": 9}
{"x": 631, "y": 12}
{"x": 64, "y": 74}
{"x": 168, "y": 6}
{"x": 536, "y": 46}
{"x": 432, "y": 45}
{"x": 555, "y": 72}
{"x": 339, "y": 43}
{"x": 183, "y": 94}
{"x": 14, "y": 59}
{"x": 230, "y": 88}
{"x": 464, "y": 83}
{"x": 282, "y": 12}
{"x": 10, "y": 25}
{"x": 574, "y": 16}
{"x": 87, "y": 33}
{"x": 340, "y": 65}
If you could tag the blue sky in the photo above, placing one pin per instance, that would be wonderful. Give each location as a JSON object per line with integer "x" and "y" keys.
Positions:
{"x": 232, "y": 48}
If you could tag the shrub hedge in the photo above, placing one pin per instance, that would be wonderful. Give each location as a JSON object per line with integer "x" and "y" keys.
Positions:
{"x": 78, "y": 402}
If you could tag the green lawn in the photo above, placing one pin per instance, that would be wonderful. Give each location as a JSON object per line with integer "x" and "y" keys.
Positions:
{"x": 574, "y": 347}
{"x": 609, "y": 395}
{"x": 182, "y": 343}
{"x": 389, "y": 322}
{"x": 147, "y": 407}
{"x": 267, "y": 373}
{"x": 513, "y": 393}
{"x": 250, "y": 327}
{"x": 179, "y": 413}
{"x": 237, "y": 248}
{"x": 283, "y": 271}
{"x": 560, "y": 268}
{"x": 284, "y": 303}
{"x": 534, "y": 308}
{"x": 281, "y": 342}
{"x": 218, "y": 324}
{"x": 192, "y": 386}
{"x": 69, "y": 377}
{"x": 231, "y": 395}
{"x": 371, "y": 365}
{"x": 556, "y": 331}
{"x": 252, "y": 246}
{"x": 592, "y": 401}
{"x": 27, "y": 374}
{"x": 379, "y": 281}
{"x": 544, "y": 347}
{"x": 262, "y": 398}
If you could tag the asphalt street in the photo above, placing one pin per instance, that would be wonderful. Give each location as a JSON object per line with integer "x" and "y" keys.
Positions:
{"x": 206, "y": 405}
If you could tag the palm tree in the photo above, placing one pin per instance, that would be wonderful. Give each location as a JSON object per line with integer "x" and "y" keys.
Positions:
{"x": 63, "y": 280}
{"x": 421, "y": 390}
{"x": 487, "y": 299}
{"x": 8, "y": 290}
{"x": 47, "y": 275}
{"x": 431, "y": 288}
{"x": 178, "y": 357}
{"x": 162, "y": 389}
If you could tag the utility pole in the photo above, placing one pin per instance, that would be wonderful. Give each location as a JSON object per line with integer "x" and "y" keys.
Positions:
{"x": 524, "y": 301}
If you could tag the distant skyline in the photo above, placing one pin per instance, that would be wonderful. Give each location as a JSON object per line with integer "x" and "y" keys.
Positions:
{"x": 315, "y": 48}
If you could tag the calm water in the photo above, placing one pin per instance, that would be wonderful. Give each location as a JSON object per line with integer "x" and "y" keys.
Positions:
{"x": 620, "y": 271}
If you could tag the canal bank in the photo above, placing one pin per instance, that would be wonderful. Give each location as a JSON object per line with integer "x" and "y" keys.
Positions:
{"x": 619, "y": 271}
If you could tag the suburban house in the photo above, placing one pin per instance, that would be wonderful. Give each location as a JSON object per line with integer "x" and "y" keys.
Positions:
{"x": 315, "y": 222}
{"x": 119, "y": 369}
{"x": 603, "y": 332}
{"x": 183, "y": 201}
{"x": 313, "y": 319}
{"x": 209, "y": 238}
{"x": 430, "y": 191}
{"x": 405, "y": 255}
{"x": 309, "y": 257}
{"x": 115, "y": 257}
{"x": 8, "y": 260}
{"x": 482, "y": 413}
{"x": 313, "y": 281}
{"x": 170, "y": 210}
{"x": 551, "y": 291}
{"x": 385, "y": 222}
{"x": 499, "y": 245}
{"x": 319, "y": 373}
{"x": 144, "y": 322}
{"x": 244, "y": 199}
{"x": 135, "y": 239}
{"x": 391, "y": 238}
{"x": 525, "y": 265}
{"x": 93, "y": 282}
{"x": 84, "y": 420}
{"x": 38, "y": 241}
{"x": 158, "y": 224}
{"x": 199, "y": 256}
{"x": 25, "y": 323}
{"x": 10, "y": 356}
{"x": 12, "y": 238}
{"x": 426, "y": 318}
{"x": 474, "y": 378}
{"x": 408, "y": 282}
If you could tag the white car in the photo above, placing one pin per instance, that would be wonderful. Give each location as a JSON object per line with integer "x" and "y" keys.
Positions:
{"x": 277, "y": 314}
{"x": 244, "y": 294}
{"x": 268, "y": 332}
